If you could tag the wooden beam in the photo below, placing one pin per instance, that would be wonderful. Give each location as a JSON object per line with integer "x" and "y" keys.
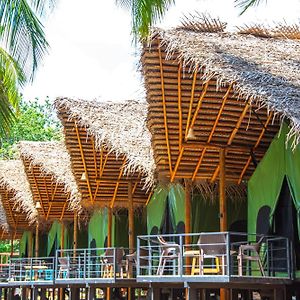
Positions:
{"x": 255, "y": 146}
{"x": 114, "y": 180}
{"x": 179, "y": 105}
{"x": 165, "y": 110}
{"x": 173, "y": 174}
{"x": 232, "y": 135}
{"x": 191, "y": 102}
{"x": 63, "y": 210}
{"x": 117, "y": 184}
{"x": 83, "y": 162}
{"x": 130, "y": 218}
{"x": 212, "y": 131}
{"x": 62, "y": 238}
{"x": 53, "y": 193}
{"x": 75, "y": 234}
{"x": 94, "y": 156}
{"x": 37, "y": 239}
{"x": 11, "y": 245}
{"x": 109, "y": 227}
{"x": 203, "y": 93}
{"x": 188, "y": 211}
{"x": 38, "y": 191}
{"x": 222, "y": 192}
{"x": 149, "y": 197}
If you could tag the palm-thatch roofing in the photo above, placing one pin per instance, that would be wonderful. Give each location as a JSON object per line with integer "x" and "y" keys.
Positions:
{"x": 3, "y": 220}
{"x": 16, "y": 196}
{"x": 48, "y": 168}
{"x": 209, "y": 89}
{"x": 110, "y": 144}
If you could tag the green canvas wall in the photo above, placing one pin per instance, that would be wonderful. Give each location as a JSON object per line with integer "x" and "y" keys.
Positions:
{"x": 54, "y": 237}
{"x": 265, "y": 184}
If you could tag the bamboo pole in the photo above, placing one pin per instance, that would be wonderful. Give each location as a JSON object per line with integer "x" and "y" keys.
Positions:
{"x": 37, "y": 239}
{"x": 30, "y": 246}
{"x": 223, "y": 208}
{"x": 222, "y": 185}
{"x": 62, "y": 244}
{"x": 187, "y": 241}
{"x": 75, "y": 235}
{"x": 130, "y": 218}
{"x": 11, "y": 245}
{"x": 109, "y": 228}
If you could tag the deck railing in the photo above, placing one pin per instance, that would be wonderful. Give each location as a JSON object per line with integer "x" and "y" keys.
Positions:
{"x": 93, "y": 264}
{"x": 221, "y": 255}
{"x": 31, "y": 269}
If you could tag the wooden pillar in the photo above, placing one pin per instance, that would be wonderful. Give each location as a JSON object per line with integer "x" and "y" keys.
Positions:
{"x": 37, "y": 239}
{"x": 188, "y": 229}
{"x": 130, "y": 218}
{"x": 109, "y": 228}
{"x": 223, "y": 208}
{"x": 75, "y": 235}
{"x": 11, "y": 245}
{"x": 222, "y": 191}
{"x": 62, "y": 244}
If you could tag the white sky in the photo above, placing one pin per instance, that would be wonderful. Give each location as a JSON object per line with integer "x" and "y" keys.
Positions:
{"x": 91, "y": 53}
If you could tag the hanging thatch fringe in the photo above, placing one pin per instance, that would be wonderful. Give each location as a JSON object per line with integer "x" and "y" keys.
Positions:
{"x": 3, "y": 221}
{"x": 119, "y": 127}
{"x": 54, "y": 160}
{"x": 261, "y": 70}
{"x": 13, "y": 178}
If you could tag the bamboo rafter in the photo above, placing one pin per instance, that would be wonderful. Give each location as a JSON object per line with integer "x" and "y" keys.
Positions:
{"x": 165, "y": 110}
{"x": 255, "y": 146}
{"x": 83, "y": 162}
{"x": 38, "y": 192}
{"x": 212, "y": 131}
{"x": 179, "y": 104}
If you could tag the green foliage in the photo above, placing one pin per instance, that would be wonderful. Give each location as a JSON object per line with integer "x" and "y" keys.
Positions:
{"x": 246, "y": 4}
{"x": 34, "y": 122}
{"x": 144, "y": 14}
{"x": 5, "y": 246}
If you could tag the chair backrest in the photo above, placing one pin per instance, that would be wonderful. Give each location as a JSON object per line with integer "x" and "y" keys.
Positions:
{"x": 212, "y": 244}
{"x": 109, "y": 255}
{"x": 63, "y": 262}
{"x": 119, "y": 255}
{"x": 144, "y": 257}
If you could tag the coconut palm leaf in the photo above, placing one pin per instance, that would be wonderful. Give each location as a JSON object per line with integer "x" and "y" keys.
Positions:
{"x": 11, "y": 78}
{"x": 245, "y": 4}
{"x": 22, "y": 32}
{"x": 144, "y": 14}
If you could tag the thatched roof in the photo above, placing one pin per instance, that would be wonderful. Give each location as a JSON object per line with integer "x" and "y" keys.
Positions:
{"x": 13, "y": 179}
{"x": 3, "y": 221}
{"x": 120, "y": 127}
{"x": 53, "y": 159}
{"x": 262, "y": 64}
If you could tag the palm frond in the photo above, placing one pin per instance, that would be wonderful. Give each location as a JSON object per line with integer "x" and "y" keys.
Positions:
{"x": 22, "y": 33}
{"x": 144, "y": 14}
{"x": 246, "y": 4}
{"x": 41, "y": 7}
{"x": 11, "y": 77}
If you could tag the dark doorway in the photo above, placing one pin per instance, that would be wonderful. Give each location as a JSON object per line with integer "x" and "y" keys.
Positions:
{"x": 285, "y": 220}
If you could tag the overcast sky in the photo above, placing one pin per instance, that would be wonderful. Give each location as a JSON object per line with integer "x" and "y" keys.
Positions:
{"x": 91, "y": 53}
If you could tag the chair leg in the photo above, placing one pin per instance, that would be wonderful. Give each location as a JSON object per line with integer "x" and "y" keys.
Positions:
{"x": 162, "y": 267}
{"x": 261, "y": 268}
{"x": 240, "y": 265}
{"x": 159, "y": 265}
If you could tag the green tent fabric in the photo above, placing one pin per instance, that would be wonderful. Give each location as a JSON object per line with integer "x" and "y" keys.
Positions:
{"x": 97, "y": 229}
{"x": 23, "y": 243}
{"x": 82, "y": 238}
{"x": 121, "y": 230}
{"x": 156, "y": 208}
{"x": 176, "y": 198}
{"x": 265, "y": 184}
{"x": 292, "y": 159}
{"x": 54, "y": 237}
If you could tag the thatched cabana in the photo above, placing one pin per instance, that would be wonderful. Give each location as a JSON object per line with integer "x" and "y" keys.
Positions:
{"x": 111, "y": 153}
{"x": 48, "y": 168}
{"x": 4, "y": 227}
{"x": 209, "y": 89}
{"x": 109, "y": 146}
{"x": 16, "y": 197}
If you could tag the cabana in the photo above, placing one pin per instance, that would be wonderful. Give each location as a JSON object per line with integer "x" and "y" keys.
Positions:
{"x": 16, "y": 197}
{"x": 216, "y": 101}
{"x": 55, "y": 193}
{"x": 113, "y": 164}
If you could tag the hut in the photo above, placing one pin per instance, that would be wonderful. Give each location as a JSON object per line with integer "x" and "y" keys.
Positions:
{"x": 17, "y": 201}
{"x": 216, "y": 102}
{"x": 55, "y": 193}
{"x": 111, "y": 156}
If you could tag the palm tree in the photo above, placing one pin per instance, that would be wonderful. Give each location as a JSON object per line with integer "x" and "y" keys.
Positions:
{"x": 144, "y": 13}
{"x": 22, "y": 47}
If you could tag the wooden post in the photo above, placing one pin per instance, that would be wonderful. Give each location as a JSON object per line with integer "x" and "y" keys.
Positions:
{"x": 37, "y": 239}
{"x": 11, "y": 245}
{"x": 222, "y": 186}
{"x": 187, "y": 241}
{"x": 75, "y": 235}
{"x": 109, "y": 240}
{"x": 223, "y": 208}
{"x": 130, "y": 218}
{"x": 62, "y": 244}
